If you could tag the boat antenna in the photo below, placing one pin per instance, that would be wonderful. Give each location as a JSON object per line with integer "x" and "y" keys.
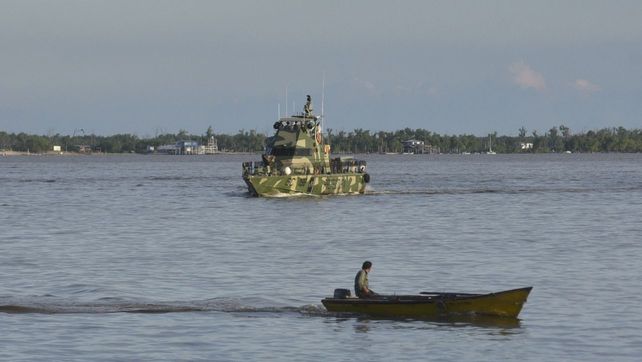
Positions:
{"x": 286, "y": 101}
{"x": 322, "y": 100}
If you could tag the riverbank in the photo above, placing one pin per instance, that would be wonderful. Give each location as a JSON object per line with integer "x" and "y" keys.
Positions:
{"x": 4, "y": 153}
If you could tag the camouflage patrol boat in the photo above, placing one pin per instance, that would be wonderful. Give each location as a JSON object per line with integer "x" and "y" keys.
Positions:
{"x": 297, "y": 162}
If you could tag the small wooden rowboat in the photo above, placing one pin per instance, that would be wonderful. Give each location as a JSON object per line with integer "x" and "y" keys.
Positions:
{"x": 501, "y": 304}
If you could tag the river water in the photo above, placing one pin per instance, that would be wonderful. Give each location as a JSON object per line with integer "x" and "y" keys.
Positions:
{"x": 112, "y": 258}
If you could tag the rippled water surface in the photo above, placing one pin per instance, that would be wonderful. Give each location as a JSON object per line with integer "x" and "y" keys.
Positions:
{"x": 167, "y": 258}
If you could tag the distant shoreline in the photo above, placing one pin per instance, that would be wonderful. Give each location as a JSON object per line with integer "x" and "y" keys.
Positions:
{"x": 557, "y": 139}
{"x": 8, "y": 154}
{"x": 76, "y": 154}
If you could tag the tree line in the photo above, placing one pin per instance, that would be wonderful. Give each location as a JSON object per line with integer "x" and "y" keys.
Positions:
{"x": 557, "y": 139}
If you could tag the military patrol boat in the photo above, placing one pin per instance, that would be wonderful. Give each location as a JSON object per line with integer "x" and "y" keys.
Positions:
{"x": 297, "y": 162}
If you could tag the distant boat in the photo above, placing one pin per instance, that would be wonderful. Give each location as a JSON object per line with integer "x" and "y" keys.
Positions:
{"x": 490, "y": 146}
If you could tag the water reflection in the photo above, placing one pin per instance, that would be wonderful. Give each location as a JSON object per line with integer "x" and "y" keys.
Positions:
{"x": 364, "y": 324}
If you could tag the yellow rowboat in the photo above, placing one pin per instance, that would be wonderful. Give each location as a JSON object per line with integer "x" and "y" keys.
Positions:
{"x": 501, "y": 304}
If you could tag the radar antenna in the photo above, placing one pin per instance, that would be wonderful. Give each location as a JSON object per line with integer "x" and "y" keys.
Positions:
{"x": 322, "y": 101}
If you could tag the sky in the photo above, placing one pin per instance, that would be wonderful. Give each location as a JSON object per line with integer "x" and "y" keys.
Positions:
{"x": 452, "y": 67}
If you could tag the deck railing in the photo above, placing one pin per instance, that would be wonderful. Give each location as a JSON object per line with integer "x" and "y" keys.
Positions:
{"x": 337, "y": 165}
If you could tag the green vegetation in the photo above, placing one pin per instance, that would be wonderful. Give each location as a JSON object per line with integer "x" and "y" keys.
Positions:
{"x": 557, "y": 139}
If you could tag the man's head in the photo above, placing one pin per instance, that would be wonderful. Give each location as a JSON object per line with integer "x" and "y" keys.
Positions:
{"x": 366, "y": 265}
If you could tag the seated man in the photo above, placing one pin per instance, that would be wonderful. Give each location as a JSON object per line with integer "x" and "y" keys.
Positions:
{"x": 361, "y": 288}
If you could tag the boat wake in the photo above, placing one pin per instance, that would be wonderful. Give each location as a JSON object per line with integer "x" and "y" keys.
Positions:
{"x": 55, "y": 305}
{"x": 533, "y": 190}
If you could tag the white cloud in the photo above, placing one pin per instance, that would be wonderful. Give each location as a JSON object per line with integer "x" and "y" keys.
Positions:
{"x": 526, "y": 77}
{"x": 365, "y": 86}
{"x": 586, "y": 87}
{"x": 421, "y": 89}
{"x": 401, "y": 90}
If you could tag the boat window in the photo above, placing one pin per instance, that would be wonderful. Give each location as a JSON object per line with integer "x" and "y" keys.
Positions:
{"x": 290, "y": 151}
{"x": 303, "y": 152}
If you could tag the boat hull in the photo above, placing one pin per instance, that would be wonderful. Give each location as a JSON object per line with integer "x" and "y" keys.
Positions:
{"x": 502, "y": 304}
{"x": 326, "y": 184}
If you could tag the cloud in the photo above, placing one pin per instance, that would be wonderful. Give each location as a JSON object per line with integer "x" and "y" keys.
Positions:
{"x": 365, "y": 86}
{"x": 586, "y": 87}
{"x": 526, "y": 77}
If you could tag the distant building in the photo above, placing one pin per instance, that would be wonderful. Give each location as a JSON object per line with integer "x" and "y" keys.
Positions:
{"x": 179, "y": 148}
{"x": 418, "y": 147}
{"x": 212, "y": 146}
{"x": 526, "y": 146}
{"x": 188, "y": 147}
{"x": 168, "y": 149}
{"x": 84, "y": 148}
{"x": 413, "y": 146}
